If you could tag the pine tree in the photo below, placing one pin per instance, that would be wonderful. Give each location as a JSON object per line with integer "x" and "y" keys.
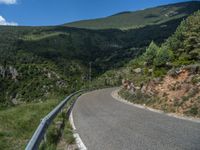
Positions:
{"x": 151, "y": 53}
{"x": 163, "y": 56}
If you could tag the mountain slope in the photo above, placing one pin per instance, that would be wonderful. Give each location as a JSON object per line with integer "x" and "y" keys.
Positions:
{"x": 132, "y": 20}
{"x": 41, "y": 62}
{"x": 167, "y": 77}
{"x": 38, "y": 62}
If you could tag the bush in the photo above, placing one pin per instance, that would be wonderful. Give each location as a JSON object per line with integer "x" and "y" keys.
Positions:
{"x": 159, "y": 72}
{"x": 193, "y": 111}
{"x": 196, "y": 79}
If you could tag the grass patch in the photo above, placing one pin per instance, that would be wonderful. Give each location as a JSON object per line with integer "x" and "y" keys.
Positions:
{"x": 34, "y": 37}
{"x": 17, "y": 124}
{"x": 68, "y": 134}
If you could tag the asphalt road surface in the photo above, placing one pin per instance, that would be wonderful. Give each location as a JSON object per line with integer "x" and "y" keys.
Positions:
{"x": 104, "y": 123}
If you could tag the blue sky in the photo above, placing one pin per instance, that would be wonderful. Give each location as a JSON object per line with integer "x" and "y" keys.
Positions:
{"x": 55, "y": 12}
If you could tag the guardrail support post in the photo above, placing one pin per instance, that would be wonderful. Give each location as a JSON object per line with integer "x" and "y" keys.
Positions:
{"x": 45, "y": 138}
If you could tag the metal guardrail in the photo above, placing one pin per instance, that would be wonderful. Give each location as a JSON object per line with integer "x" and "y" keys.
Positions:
{"x": 39, "y": 134}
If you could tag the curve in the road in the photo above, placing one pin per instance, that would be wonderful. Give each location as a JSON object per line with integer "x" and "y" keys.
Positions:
{"x": 104, "y": 123}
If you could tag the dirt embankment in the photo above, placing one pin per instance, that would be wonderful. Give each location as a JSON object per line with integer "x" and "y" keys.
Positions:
{"x": 178, "y": 92}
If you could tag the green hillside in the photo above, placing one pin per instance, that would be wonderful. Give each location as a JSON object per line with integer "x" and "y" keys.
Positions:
{"x": 167, "y": 76}
{"x": 180, "y": 49}
{"x": 136, "y": 19}
{"x": 40, "y": 62}
{"x": 37, "y": 63}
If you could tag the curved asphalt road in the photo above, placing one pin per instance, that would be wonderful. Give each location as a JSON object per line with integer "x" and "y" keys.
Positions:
{"x": 104, "y": 123}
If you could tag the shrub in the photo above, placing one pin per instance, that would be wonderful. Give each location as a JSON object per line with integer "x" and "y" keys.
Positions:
{"x": 159, "y": 72}
{"x": 193, "y": 111}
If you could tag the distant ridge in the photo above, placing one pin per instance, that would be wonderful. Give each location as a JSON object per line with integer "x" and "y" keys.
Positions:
{"x": 121, "y": 13}
{"x": 130, "y": 20}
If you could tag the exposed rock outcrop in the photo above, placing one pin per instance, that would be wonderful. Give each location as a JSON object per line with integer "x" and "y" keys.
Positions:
{"x": 9, "y": 72}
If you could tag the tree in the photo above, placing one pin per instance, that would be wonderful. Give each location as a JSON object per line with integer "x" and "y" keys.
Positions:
{"x": 163, "y": 56}
{"x": 186, "y": 40}
{"x": 151, "y": 53}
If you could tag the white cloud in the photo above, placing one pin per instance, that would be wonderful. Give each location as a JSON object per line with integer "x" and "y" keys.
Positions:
{"x": 8, "y": 2}
{"x": 5, "y": 23}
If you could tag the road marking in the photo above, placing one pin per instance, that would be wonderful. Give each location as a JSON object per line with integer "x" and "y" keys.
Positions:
{"x": 71, "y": 120}
{"x": 79, "y": 142}
{"x": 115, "y": 95}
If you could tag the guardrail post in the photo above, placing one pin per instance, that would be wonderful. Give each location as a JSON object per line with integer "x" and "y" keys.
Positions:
{"x": 45, "y": 138}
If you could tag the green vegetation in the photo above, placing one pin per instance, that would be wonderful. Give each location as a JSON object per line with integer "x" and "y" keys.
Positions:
{"x": 181, "y": 50}
{"x": 68, "y": 134}
{"x": 133, "y": 20}
{"x": 40, "y": 64}
{"x": 17, "y": 124}
{"x": 151, "y": 53}
{"x": 54, "y": 132}
{"x": 193, "y": 111}
{"x": 158, "y": 60}
{"x": 60, "y": 129}
{"x": 185, "y": 41}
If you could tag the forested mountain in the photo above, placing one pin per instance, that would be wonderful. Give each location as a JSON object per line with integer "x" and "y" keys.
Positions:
{"x": 41, "y": 62}
{"x": 131, "y": 20}
{"x": 37, "y": 62}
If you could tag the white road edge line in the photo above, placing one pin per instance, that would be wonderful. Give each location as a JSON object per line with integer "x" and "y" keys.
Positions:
{"x": 115, "y": 95}
{"x": 79, "y": 142}
{"x": 71, "y": 120}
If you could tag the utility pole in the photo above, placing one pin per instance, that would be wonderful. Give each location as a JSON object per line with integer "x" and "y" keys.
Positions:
{"x": 90, "y": 74}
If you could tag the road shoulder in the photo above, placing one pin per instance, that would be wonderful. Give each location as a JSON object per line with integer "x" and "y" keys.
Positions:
{"x": 116, "y": 96}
